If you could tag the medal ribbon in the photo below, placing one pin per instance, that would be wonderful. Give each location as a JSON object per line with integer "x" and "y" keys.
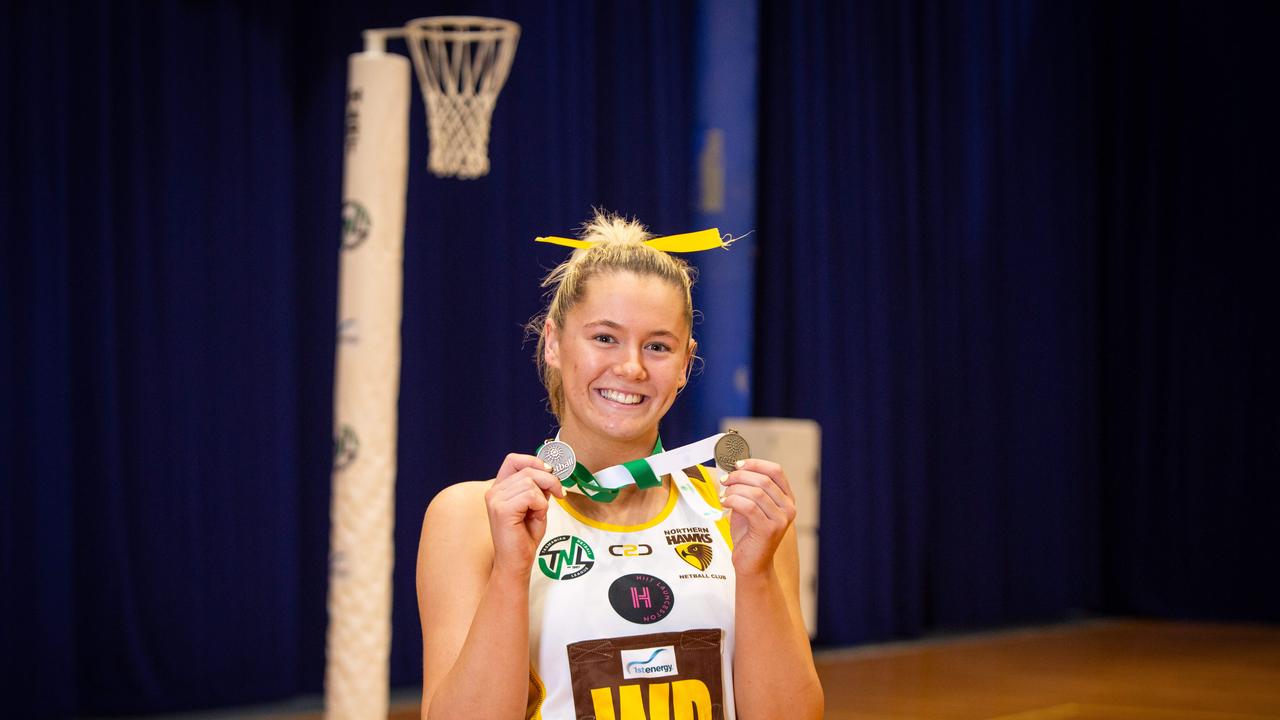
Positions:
{"x": 646, "y": 473}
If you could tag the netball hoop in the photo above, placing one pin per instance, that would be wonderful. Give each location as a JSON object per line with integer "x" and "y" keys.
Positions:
{"x": 462, "y": 63}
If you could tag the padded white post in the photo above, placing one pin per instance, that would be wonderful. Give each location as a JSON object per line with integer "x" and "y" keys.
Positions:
{"x": 367, "y": 387}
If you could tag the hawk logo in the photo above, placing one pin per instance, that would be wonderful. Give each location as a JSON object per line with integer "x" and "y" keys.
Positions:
{"x": 565, "y": 557}
{"x": 696, "y": 554}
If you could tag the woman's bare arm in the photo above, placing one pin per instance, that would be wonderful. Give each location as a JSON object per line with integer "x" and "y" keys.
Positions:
{"x": 773, "y": 671}
{"x": 474, "y": 557}
{"x": 475, "y": 622}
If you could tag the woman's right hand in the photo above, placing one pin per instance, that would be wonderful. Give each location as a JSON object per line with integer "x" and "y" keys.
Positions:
{"x": 517, "y": 505}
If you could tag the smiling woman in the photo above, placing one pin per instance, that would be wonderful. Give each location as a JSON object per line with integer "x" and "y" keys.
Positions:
{"x": 568, "y": 605}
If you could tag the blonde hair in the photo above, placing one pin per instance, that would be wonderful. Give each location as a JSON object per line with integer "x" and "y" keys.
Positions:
{"x": 619, "y": 247}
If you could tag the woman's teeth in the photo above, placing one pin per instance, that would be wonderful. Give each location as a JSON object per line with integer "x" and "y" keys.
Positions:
{"x": 621, "y": 397}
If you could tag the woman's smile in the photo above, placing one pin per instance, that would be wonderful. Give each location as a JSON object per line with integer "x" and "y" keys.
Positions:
{"x": 620, "y": 397}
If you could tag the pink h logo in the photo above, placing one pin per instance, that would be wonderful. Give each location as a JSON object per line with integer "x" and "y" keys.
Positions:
{"x": 640, "y": 595}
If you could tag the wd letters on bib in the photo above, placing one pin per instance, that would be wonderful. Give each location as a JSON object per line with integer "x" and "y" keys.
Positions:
{"x": 675, "y": 675}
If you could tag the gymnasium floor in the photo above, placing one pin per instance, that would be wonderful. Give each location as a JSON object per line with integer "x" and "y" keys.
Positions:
{"x": 1094, "y": 670}
{"x": 1101, "y": 670}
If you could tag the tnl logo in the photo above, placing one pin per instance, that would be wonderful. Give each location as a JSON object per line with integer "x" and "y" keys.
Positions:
{"x": 679, "y": 700}
{"x": 565, "y": 557}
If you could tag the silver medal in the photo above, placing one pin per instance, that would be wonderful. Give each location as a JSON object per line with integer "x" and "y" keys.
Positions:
{"x": 560, "y": 457}
{"x": 730, "y": 449}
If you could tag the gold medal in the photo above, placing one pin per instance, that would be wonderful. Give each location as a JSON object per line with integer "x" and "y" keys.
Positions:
{"x": 730, "y": 449}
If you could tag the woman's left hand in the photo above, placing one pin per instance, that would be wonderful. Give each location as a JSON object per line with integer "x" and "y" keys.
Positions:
{"x": 763, "y": 507}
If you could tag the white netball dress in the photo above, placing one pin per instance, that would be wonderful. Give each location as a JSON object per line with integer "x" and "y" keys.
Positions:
{"x": 633, "y": 622}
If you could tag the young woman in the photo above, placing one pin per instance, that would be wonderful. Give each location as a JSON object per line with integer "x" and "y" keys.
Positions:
{"x": 537, "y": 602}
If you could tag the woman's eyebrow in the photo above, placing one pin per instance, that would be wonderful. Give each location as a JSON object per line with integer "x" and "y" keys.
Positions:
{"x": 618, "y": 326}
{"x": 606, "y": 323}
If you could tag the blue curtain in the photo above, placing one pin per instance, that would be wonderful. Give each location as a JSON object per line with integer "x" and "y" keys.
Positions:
{"x": 925, "y": 286}
{"x": 171, "y": 180}
{"x": 150, "y": 542}
{"x": 1009, "y": 260}
{"x": 1187, "y": 157}
{"x": 1011, "y": 255}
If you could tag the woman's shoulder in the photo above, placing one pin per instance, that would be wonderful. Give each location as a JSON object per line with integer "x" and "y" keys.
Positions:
{"x": 458, "y": 508}
{"x": 463, "y": 494}
{"x": 454, "y": 543}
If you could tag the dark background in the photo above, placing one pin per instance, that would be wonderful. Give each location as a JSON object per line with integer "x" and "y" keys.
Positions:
{"x": 1013, "y": 256}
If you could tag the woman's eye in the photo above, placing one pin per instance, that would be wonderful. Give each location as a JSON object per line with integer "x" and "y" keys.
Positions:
{"x": 660, "y": 347}
{"x": 604, "y": 338}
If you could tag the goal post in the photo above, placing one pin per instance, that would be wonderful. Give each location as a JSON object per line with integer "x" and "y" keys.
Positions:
{"x": 461, "y": 64}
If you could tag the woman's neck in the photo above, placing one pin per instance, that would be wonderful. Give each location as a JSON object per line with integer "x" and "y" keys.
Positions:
{"x": 632, "y": 506}
{"x": 596, "y": 453}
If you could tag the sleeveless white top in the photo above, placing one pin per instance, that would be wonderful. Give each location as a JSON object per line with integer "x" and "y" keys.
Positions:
{"x": 629, "y": 621}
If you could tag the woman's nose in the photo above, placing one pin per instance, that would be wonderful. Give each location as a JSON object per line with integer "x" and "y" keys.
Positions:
{"x": 632, "y": 368}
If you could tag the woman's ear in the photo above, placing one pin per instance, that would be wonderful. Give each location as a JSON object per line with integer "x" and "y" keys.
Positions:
{"x": 688, "y": 363}
{"x": 551, "y": 344}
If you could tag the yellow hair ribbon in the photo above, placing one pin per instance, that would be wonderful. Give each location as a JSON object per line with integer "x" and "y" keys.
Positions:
{"x": 685, "y": 242}
{"x": 688, "y": 242}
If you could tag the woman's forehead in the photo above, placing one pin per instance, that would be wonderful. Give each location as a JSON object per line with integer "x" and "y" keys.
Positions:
{"x": 626, "y": 298}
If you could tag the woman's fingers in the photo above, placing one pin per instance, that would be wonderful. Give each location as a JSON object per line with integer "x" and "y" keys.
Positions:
{"x": 747, "y": 478}
{"x": 767, "y": 477}
{"x": 516, "y": 468}
{"x": 515, "y": 462}
{"x": 755, "y": 504}
{"x": 763, "y": 508}
{"x": 771, "y": 470}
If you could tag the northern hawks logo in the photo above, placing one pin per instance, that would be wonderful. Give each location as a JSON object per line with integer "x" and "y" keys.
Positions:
{"x": 696, "y": 554}
{"x": 565, "y": 557}
{"x": 680, "y": 536}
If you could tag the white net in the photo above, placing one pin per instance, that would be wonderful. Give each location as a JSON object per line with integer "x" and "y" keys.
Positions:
{"x": 462, "y": 64}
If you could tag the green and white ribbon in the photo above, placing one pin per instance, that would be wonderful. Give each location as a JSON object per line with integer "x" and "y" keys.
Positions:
{"x": 647, "y": 472}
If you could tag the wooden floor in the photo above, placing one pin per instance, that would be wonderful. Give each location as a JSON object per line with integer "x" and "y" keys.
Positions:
{"x": 1106, "y": 670}
{"x": 1097, "y": 670}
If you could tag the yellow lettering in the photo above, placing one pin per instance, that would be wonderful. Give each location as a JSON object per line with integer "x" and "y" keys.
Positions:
{"x": 660, "y": 701}
{"x": 631, "y": 550}
{"x": 632, "y": 705}
{"x": 692, "y": 700}
{"x": 602, "y": 700}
